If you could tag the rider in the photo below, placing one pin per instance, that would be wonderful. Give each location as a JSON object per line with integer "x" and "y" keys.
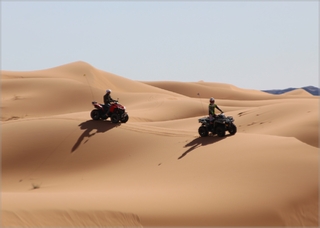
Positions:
{"x": 107, "y": 100}
{"x": 212, "y": 107}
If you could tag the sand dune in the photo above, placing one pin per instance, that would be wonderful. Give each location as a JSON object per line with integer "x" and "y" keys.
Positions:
{"x": 300, "y": 92}
{"x": 60, "y": 168}
{"x": 220, "y": 90}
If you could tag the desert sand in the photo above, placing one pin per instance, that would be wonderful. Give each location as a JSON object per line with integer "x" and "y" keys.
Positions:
{"x": 62, "y": 169}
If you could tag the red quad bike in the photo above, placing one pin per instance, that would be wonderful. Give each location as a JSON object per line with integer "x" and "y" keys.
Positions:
{"x": 117, "y": 112}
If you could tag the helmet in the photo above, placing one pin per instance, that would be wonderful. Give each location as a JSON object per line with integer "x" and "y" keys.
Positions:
{"x": 108, "y": 91}
{"x": 211, "y": 99}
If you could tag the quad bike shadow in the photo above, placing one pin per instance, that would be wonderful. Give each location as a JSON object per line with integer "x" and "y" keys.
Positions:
{"x": 201, "y": 141}
{"x": 92, "y": 127}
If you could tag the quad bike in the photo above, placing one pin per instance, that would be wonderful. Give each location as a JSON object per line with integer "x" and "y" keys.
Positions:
{"x": 117, "y": 112}
{"x": 219, "y": 126}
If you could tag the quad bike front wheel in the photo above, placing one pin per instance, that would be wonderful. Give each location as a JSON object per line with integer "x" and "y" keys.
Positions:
{"x": 203, "y": 131}
{"x": 232, "y": 129}
{"x": 115, "y": 118}
{"x": 95, "y": 115}
{"x": 124, "y": 119}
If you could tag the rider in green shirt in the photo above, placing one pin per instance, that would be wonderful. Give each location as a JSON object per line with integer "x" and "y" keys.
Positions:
{"x": 212, "y": 107}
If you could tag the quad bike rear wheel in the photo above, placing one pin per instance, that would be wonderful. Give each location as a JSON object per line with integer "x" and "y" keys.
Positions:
{"x": 95, "y": 115}
{"x": 221, "y": 131}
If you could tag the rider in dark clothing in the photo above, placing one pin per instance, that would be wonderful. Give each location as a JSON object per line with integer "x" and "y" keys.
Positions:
{"x": 107, "y": 100}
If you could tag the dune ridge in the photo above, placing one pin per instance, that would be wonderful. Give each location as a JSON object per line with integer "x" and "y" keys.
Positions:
{"x": 221, "y": 90}
{"x": 154, "y": 170}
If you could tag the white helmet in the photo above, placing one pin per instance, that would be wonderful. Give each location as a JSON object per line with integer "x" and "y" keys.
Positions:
{"x": 211, "y": 99}
{"x": 108, "y": 91}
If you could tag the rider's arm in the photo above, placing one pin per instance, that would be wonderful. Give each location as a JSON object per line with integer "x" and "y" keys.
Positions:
{"x": 219, "y": 109}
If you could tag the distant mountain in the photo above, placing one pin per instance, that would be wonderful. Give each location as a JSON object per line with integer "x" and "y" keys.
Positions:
{"x": 310, "y": 89}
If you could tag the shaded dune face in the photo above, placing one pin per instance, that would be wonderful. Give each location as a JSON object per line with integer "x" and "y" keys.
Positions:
{"x": 154, "y": 170}
{"x": 70, "y": 218}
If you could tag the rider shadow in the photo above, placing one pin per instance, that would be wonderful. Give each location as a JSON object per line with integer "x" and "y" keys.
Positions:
{"x": 201, "y": 141}
{"x": 89, "y": 126}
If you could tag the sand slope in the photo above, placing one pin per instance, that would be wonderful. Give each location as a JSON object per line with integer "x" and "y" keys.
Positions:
{"x": 154, "y": 170}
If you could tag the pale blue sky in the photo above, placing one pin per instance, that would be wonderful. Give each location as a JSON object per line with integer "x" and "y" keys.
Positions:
{"x": 250, "y": 44}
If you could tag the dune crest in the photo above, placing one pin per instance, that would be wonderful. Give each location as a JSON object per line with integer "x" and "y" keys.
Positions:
{"x": 299, "y": 92}
{"x": 61, "y": 168}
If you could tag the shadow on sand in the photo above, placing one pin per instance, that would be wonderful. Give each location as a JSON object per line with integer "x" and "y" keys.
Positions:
{"x": 90, "y": 125}
{"x": 201, "y": 141}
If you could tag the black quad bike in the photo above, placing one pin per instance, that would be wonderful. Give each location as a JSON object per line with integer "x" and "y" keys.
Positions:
{"x": 219, "y": 126}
